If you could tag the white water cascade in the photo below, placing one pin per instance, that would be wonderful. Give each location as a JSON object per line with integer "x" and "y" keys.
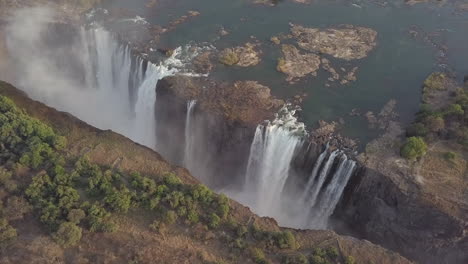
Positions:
{"x": 88, "y": 74}
{"x": 189, "y": 136}
{"x": 323, "y": 208}
{"x": 271, "y": 154}
{"x": 272, "y": 150}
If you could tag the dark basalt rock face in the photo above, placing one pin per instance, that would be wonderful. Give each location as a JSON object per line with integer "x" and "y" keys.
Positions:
{"x": 375, "y": 208}
{"x": 387, "y": 204}
{"x": 223, "y": 123}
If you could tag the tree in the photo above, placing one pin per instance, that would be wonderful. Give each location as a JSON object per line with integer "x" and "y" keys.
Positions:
{"x": 285, "y": 239}
{"x": 170, "y": 217}
{"x": 16, "y": 207}
{"x": 258, "y": 256}
{"x": 435, "y": 123}
{"x": 416, "y": 130}
{"x": 119, "y": 200}
{"x": 68, "y": 234}
{"x": 214, "y": 220}
{"x": 76, "y": 215}
{"x": 350, "y": 260}
{"x": 414, "y": 148}
{"x": 454, "y": 109}
{"x": 7, "y": 232}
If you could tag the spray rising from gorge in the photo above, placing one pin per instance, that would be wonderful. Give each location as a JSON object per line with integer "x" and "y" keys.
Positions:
{"x": 87, "y": 73}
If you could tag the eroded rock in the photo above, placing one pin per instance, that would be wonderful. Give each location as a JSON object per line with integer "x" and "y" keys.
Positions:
{"x": 243, "y": 56}
{"x": 297, "y": 65}
{"x": 203, "y": 63}
{"x": 346, "y": 42}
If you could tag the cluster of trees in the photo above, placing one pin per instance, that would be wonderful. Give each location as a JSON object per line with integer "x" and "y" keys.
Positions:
{"x": 317, "y": 256}
{"x": 71, "y": 195}
{"x": 434, "y": 123}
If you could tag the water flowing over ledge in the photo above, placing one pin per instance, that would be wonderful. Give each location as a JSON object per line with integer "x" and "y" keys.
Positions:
{"x": 273, "y": 149}
{"x": 88, "y": 73}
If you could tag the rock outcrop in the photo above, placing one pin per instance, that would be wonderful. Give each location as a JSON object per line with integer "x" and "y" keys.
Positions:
{"x": 297, "y": 65}
{"x": 243, "y": 56}
{"x": 346, "y": 42}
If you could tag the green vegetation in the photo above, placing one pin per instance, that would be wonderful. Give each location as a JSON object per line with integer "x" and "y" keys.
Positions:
{"x": 67, "y": 195}
{"x": 68, "y": 234}
{"x": 446, "y": 119}
{"x": 72, "y": 196}
{"x": 449, "y": 156}
{"x": 7, "y": 232}
{"x": 228, "y": 57}
{"x": 350, "y": 260}
{"x": 414, "y": 148}
{"x": 258, "y": 256}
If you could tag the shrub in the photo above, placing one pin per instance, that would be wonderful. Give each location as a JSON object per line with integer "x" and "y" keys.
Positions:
{"x": 228, "y": 57}
{"x": 119, "y": 200}
{"x": 170, "y": 217}
{"x": 295, "y": 259}
{"x": 258, "y": 256}
{"x": 454, "y": 109}
{"x": 285, "y": 239}
{"x": 182, "y": 211}
{"x": 434, "y": 123}
{"x": 202, "y": 193}
{"x": 332, "y": 252}
{"x": 175, "y": 199}
{"x": 192, "y": 216}
{"x": 159, "y": 227}
{"x": 171, "y": 179}
{"x": 350, "y": 260}
{"x": 450, "y": 155}
{"x": 7, "y": 232}
{"x": 414, "y": 148}
{"x": 76, "y": 215}
{"x": 319, "y": 252}
{"x": 315, "y": 259}
{"x": 416, "y": 130}
{"x": 223, "y": 206}
{"x": 98, "y": 219}
{"x": 239, "y": 243}
{"x": 16, "y": 207}
{"x": 214, "y": 221}
{"x": 241, "y": 231}
{"x": 68, "y": 234}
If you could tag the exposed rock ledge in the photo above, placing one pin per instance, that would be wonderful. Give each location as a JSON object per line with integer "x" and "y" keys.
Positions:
{"x": 245, "y": 102}
{"x": 346, "y": 42}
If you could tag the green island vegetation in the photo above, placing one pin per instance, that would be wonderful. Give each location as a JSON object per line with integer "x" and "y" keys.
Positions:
{"x": 438, "y": 122}
{"x": 70, "y": 196}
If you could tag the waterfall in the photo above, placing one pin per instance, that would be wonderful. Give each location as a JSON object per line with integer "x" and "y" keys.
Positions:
{"x": 314, "y": 173}
{"x": 272, "y": 151}
{"x": 331, "y": 195}
{"x": 90, "y": 75}
{"x": 317, "y": 186}
{"x": 189, "y": 134}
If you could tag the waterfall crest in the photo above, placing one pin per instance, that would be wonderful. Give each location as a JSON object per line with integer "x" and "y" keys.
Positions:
{"x": 88, "y": 74}
{"x": 272, "y": 152}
